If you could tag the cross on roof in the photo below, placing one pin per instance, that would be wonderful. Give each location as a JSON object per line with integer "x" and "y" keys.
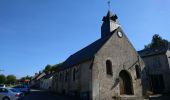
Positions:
{"x": 109, "y": 4}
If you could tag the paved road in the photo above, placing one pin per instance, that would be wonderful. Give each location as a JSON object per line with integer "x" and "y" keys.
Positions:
{"x": 42, "y": 95}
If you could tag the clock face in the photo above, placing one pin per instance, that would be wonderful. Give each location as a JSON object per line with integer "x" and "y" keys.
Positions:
{"x": 120, "y": 34}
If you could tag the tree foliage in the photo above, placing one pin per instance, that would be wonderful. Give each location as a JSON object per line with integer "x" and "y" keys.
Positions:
{"x": 56, "y": 67}
{"x": 157, "y": 41}
{"x": 53, "y": 68}
{"x": 25, "y": 78}
{"x": 2, "y": 79}
{"x": 47, "y": 68}
{"x": 10, "y": 79}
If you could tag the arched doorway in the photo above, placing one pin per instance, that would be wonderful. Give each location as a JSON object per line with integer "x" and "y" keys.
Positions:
{"x": 126, "y": 86}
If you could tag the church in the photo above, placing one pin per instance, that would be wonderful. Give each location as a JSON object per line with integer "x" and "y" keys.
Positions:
{"x": 106, "y": 69}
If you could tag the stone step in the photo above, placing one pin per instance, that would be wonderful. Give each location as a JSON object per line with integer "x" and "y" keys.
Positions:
{"x": 131, "y": 97}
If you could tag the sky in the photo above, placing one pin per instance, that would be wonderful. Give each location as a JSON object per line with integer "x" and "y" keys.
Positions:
{"x": 34, "y": 33}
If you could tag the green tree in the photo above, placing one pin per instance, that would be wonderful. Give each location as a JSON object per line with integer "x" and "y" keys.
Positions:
{"x": 2, "y": 79}
{"x": 10, "y": 79}
{"x": 26, "y": 77}
{"x": 56, "y": 67}
{"x": 157, "y": 41}
{"x": 47, "y": 68}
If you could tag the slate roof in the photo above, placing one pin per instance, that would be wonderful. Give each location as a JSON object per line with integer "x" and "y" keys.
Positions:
{"x": 86, "y": 53}
{"x": 47, "y": 76}
{"x": 153, "y": 51}
{"x": 40, "y": 76}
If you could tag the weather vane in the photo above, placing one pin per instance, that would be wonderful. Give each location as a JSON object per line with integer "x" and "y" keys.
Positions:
{"x": 109, "y": 4}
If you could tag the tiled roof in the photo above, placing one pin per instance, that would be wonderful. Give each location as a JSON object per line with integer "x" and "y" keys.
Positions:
{"x": 47, "y": 76}
{"x": 153, "y": 51}
{"x": 86, "y": 53}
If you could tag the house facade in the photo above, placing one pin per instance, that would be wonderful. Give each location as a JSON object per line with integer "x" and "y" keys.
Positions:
{"x": 46, "y": 82}
{"x": 35, "y": 81}
{"x": 157, "y": 61}
{"x": 108, "y": 68}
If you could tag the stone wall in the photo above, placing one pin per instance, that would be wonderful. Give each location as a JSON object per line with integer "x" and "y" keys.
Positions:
{"x": 123, "y": 57}
{"x": 168, "y": 56}
{"x": 80, "y": 86}
{"x": 158, "y": 65}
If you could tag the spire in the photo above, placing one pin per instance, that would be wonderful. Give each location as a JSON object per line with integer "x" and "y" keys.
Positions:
{"x": 110, "y": 16}
{"x": 110, "y": 23}
{"x": 109, "y": 4}
{"x": 109, "y": 13}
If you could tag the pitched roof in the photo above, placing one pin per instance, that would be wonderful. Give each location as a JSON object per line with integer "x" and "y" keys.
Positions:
{"x": 153, "y": 51}
{"x": 47, "y": 76}
{"x": 86, "y": 53}
{"x": 40, "y": 76}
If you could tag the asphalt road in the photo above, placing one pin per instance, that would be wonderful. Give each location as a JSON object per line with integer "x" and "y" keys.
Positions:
{"x": 43, "y": 95}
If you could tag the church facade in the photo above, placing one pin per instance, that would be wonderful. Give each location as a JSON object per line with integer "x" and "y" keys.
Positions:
{"x": 108, "y": 68}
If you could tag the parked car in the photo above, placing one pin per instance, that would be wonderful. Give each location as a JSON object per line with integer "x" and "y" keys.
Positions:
{"x": 10, "y": 94}
{"x": 2, "y": 85}
{"x": 23, "y": 88}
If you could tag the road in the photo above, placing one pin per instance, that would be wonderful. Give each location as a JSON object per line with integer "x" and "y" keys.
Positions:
{"x": 43, "y": 95}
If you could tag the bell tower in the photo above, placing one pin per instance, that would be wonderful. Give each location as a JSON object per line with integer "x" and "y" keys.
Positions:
{"x": 110, "y": 23}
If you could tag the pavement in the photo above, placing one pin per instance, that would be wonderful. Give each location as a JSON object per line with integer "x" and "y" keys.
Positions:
{"x": 44, "y": 95}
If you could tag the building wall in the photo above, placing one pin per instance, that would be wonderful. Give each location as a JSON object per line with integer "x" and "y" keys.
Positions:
{"x": 158, "y": 65}
{"x": 80, "y": 86}
{"x": 168, "y": 56}
{"x": 46, "y": 84}
{"x": 123, "y": 57}
{"x": 167, "y": 76}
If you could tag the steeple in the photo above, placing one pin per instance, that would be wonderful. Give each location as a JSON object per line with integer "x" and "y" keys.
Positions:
{"x": 110, "y": 23}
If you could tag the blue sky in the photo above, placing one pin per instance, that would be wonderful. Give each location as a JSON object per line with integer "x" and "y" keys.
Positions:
{"x": 34, "y": 33}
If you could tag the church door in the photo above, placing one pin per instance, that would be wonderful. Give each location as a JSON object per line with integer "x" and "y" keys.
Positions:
{"x": 126, "y": 86}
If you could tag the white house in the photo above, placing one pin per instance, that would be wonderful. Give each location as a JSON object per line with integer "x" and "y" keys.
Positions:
{"x": 46, "y": 82}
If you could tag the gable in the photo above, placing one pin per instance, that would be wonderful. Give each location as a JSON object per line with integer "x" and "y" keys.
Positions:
{"x": 119, "y": 50}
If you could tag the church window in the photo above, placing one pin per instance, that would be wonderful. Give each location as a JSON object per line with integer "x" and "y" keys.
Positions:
{"x": 60, "y": 76}
{"x": 109, "y": 67}
{"x": 56, "y": 76}
{"x": 74, "y": 74}
{"x": 66, "y": 77}
{"x": 138, "y": 70}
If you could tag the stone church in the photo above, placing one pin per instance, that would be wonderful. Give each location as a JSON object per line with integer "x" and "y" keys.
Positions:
{"x": 106, "y": 69}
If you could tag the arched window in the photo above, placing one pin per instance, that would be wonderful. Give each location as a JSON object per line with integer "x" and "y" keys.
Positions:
{"x": 66, "y": 77}
{"x": 138, "y": 70}
{"x": 74, "y": 74}
{"x": 109, "y": 67}
{"x": 60, "y": 76}
{"x": 56, "y": 76}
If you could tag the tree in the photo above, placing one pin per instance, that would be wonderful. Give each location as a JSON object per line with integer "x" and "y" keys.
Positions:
{"x": 56, "y": 67}
{"x": 25, "y": 78}
{"x": 157, "y": 41}
{"x": 10, "y": 79}
{"x": 2, "y": 79}
{"x": 47, "y": 68}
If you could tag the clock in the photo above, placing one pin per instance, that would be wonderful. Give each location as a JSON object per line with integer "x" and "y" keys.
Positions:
{"x": 119, "y": 34}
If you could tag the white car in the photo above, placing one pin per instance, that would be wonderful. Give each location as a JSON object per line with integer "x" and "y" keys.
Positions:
{"x": 2, "y": 85}
{"x": 10, "y": 94}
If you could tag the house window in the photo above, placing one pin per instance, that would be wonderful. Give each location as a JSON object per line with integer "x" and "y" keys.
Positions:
{"x": 109, "y": 67}
{"x": 74, "y": 74}
{"x": 138, "y": 70}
